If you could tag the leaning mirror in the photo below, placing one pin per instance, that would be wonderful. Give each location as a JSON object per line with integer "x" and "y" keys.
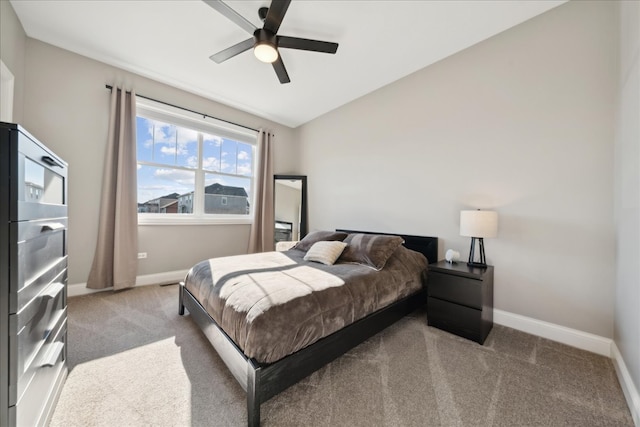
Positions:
{"x": 290, "y": 205}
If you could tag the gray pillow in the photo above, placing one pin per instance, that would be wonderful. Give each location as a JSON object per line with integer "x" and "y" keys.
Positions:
{"x": 318, "y": 236}
{"x": 372, "y": 250}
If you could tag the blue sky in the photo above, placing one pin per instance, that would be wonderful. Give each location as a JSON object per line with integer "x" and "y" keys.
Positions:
{"x": 170, "y": 145}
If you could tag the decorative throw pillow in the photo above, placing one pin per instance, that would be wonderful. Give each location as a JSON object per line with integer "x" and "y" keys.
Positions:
{"x": 318, "y": 236}
{"x": 326, "y": 252}
{"x": 372, "y": 250}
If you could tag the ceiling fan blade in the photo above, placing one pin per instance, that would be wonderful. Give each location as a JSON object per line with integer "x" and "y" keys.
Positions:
{"x": 275, "y": 15}
{"x": 278, "y": 66}
{"x": 232, "y": 51}
{"x": 306, "y": 44}
{"x": 232, "y": 15}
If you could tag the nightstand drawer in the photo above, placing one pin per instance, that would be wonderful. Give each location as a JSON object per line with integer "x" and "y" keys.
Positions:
{"x": 457, "y": 319}
{"x": 460, "y": 290}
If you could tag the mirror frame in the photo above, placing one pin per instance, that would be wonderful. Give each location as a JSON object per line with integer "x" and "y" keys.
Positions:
{"x": 303, "y": 207}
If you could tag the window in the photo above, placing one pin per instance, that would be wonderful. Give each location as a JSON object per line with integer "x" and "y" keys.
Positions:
{"x": 191, "y": 169}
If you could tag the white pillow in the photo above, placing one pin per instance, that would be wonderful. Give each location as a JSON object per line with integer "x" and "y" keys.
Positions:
{"x": 326, "y": 252}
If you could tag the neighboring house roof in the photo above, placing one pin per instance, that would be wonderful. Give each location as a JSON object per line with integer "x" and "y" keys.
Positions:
{"x": 168, "y": 204}
{"x": 225, "y": 190}
{"x": 161, "y": 200}
{"x": 170, "y": 196}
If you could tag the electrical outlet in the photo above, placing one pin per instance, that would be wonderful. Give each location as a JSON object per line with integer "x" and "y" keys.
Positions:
{"x": 142, "y": 255}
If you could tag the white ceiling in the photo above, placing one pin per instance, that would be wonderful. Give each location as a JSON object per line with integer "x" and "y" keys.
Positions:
{"x": 171, "y": 41}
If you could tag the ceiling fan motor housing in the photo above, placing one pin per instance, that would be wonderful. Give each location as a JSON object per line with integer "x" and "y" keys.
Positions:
{"x": 262, "y": 36}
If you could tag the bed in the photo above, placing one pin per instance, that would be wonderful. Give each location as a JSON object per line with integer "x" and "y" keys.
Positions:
{"x": 334, "y": 307}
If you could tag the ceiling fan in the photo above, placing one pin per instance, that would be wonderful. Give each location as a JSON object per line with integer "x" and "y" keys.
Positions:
{"x": 265, "y": 41}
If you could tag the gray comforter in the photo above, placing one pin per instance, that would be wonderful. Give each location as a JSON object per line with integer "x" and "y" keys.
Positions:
{"x": 273, "y": 304}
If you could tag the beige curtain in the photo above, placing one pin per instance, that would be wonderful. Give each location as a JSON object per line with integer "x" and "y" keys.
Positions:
{"x": 115, "y": 262}
{"x": 262, "y": 231}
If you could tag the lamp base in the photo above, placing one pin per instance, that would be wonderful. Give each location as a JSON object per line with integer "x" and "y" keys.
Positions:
{"x": 477, "y": 264}
{"x": 472, "y": 263}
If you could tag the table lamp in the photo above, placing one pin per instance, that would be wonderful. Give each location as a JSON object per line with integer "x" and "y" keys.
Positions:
{"x": 478, "y": 225}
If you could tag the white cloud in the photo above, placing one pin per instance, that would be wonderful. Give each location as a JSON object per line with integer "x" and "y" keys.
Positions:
{"x": 214, "y": 164}
{"x": 212, "y": 139}
{"x": 155, "y": 188}
{"x": 178, "y": 176}
{"x": 243, "y": 155}
{"x": 164, "y": 133}
{"x": 192, "y": 161}
{"x": 211, "y": 163}
{"x": 168, "y": 151}
{"x": 187, "y": 136}
{"x": 244, "y": 169}
{"x": 171, "y": 151}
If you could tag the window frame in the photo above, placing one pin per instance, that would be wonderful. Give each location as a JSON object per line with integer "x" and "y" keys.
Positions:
{"x": 203, "y": 124}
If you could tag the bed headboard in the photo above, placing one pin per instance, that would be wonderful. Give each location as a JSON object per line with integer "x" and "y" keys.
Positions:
{"x": 428, "y": 246}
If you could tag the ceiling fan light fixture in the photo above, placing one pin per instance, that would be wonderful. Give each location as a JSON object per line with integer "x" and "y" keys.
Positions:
{"x": 265, "y": 52}
{"x": 266, "y": 43}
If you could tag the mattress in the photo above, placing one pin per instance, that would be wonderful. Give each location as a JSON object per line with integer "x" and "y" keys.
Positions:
{"x": 273, "y": 304}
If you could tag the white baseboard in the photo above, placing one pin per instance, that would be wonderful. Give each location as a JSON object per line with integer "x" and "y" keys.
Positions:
{"x": 573, "y": 337}
{"x": 147, "y": 279}
{"x": 626, "y": 382}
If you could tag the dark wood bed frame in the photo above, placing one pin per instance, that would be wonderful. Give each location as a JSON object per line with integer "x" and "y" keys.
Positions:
{"x": 263, "y": 381}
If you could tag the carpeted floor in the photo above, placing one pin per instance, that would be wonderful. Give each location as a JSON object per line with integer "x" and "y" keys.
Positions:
{"x": 134, "y": 362}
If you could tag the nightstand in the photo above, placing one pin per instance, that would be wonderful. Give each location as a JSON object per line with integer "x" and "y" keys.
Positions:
{"x": 460, "y": 299}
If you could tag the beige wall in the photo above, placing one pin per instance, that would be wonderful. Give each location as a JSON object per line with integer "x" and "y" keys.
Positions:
{"x": 627, "y": 193}
{"x": 12, "y": 47}
{"x": 66, "y": 106}
{"x": 521, "y": 123}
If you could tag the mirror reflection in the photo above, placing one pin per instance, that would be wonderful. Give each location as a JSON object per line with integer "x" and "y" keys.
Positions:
{"x": 290, "y": 207}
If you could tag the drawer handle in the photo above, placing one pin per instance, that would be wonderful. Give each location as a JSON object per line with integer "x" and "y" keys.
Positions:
{"x": 51, "y": 161}
{"x": 52, "y": 291}
{"x": 51, "y": 226}
{"x": 52, "y": 355}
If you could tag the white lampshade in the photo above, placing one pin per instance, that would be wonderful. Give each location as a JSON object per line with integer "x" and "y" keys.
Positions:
{"x": 479, "y": 223}
{"x": 265, "y": 52}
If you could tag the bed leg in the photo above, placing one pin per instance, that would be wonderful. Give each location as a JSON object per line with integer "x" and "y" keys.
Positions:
{"x": 253, "y": 395}
{"x": 180, "y": 299}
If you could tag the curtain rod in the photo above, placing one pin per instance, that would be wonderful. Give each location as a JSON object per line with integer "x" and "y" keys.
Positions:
{"x": 191, "y": 111}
